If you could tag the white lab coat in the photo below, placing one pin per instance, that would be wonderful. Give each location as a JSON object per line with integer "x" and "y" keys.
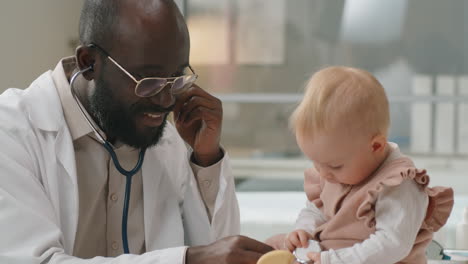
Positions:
{"x": 39, "y": 192}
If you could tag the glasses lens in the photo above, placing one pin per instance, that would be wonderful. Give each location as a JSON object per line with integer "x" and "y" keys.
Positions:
{"x": 150, "y": 87}
{"x": 182, "y": 83}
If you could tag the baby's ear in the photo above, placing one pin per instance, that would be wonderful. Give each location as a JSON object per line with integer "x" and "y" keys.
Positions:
{"x": 378, "y": 143}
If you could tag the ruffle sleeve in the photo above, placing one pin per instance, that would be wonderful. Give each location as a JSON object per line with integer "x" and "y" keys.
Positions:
{"x": 440, "y": 198}
{"x": 313, "y": 186}
{"x": 440, "y": 205}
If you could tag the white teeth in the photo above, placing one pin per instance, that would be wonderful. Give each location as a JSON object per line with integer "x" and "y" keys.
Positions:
{"x": 152, "y": 115}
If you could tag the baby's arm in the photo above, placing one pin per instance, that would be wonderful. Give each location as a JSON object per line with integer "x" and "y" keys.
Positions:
{"x": 399, "y": 213}
{"x": 310, "y": 217}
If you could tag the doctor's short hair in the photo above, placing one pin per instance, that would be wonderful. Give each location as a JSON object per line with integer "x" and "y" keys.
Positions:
{"x": 97, "y": 21}
{"x": 338, "y": 97}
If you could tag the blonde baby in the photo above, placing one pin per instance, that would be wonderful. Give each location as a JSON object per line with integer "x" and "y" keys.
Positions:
{"x": 366, "y": 201}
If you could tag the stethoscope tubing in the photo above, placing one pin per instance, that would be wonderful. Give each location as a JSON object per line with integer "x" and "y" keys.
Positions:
{"x": 108, "y": 146}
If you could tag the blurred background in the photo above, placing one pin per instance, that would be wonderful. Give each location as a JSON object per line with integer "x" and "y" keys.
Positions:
{"x": 256, "y": 55}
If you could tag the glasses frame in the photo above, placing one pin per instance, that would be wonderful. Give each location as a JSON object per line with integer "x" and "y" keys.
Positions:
{"x": 167, "y": 81}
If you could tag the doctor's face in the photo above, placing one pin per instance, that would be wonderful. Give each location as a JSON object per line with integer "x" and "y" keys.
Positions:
{"x": 150, "y": 45}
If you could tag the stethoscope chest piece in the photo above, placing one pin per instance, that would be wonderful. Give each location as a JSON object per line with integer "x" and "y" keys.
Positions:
{"x": 301, "y": 253}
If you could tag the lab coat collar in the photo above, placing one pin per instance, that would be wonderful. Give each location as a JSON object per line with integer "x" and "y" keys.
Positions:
{"x": 51, "y": 105}
{"x": 77, "y": 124}
{"x": 43, "y": 104}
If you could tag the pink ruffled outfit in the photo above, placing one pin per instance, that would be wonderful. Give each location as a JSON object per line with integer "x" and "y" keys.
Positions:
{"x": 350, "y": 209}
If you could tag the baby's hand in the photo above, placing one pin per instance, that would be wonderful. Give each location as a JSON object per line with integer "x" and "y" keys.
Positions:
{"x": 314, "y": 256}
{"x": 297, "y": 239}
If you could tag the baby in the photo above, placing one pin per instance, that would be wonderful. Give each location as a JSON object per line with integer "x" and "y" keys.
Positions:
{"x": 367, "y": 203}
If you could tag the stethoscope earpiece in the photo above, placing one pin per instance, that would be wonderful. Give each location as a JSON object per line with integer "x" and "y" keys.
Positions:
{"x": 90, "y": 68}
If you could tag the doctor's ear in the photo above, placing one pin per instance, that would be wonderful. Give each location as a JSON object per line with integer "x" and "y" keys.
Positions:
{"x": 85, "y": 59}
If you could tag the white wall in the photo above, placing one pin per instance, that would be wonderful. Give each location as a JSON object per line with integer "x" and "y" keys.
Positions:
{"x": 34, "y": 36}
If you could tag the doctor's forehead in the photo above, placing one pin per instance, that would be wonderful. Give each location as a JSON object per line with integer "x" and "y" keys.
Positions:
{"x": 161, "y": 26}
{"x": 152, "y": 14}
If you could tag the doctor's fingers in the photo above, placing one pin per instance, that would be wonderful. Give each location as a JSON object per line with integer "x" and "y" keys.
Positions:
{"x": 242, "y": 257}
{"x": 210, "y": 117}
{"x": 253, "y": 245}
{"x": 197, "y": 101}
{"x": 194, "y": 91}
{"x": 242, "y": 250}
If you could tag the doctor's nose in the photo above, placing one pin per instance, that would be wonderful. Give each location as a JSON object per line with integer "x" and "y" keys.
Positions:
{"x": 165, "y": 98}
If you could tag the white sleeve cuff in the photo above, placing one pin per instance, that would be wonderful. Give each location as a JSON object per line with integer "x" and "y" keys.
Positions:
{"x": 208, "y": 182}
{"x": 174, "y": 255}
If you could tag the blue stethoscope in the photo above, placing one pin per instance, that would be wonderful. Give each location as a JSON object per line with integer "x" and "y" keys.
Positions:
{"x": 108, "y": 146}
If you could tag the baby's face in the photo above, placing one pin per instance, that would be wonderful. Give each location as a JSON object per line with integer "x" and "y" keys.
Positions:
{"x": 340, "y": 157}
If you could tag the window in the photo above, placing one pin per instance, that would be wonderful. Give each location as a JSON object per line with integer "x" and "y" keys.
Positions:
{"x": 256, "y": 56}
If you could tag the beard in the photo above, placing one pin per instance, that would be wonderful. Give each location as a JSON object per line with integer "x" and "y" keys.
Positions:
{"x": 118, "y": 121}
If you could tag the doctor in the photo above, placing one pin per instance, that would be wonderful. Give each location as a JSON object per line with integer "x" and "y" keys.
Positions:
{"x": 62, "y": 192}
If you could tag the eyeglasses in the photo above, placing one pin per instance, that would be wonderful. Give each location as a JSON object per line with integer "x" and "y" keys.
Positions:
{"x": 151, "y": 86}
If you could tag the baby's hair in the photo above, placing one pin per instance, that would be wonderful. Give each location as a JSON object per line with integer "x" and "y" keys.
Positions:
{"x": 337, "y": 96}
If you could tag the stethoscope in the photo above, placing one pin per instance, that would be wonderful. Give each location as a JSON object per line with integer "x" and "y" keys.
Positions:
{"x": 108, "y": 146}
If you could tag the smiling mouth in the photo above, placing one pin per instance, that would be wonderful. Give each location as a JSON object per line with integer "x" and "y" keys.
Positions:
{"x": 154, "y": 115}
{"x": 152, "y": 119}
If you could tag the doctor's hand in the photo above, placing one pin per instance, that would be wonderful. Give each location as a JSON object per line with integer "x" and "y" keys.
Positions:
{"x": 198, "y": 118}
{"x": 229, "y": 250}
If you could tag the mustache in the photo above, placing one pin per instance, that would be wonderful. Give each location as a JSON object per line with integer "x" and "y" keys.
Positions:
{"x": 138, "y": 108}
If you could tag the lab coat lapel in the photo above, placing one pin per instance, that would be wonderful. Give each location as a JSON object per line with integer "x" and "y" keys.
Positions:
{"x": 67, "y": 184}
{"x": 162, "y": 215}
{"x": 45, "y": 112}
{"x": 150, "y": 202}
